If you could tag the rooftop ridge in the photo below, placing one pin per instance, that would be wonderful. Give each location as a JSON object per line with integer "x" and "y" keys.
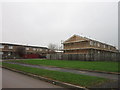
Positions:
{"x": 24, "y": 45}
{"x": 90, "y": 39}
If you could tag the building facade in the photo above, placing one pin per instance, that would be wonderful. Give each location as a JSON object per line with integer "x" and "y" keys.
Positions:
{"x": 82, "y": 45}
{"x": 9, "y": 51}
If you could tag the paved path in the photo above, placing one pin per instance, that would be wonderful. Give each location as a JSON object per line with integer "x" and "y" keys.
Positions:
{"x": 12, "y": 79}
{"x": 109, "y": 76}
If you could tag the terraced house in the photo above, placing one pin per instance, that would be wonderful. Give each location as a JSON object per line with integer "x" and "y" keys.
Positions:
{"x": 82, "y": 45}
{"x": 13, "y": 51}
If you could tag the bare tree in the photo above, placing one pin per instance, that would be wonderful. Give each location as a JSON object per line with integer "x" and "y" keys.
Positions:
{"x": 20, "y": 51}
{"x": 52, "y": 46}
{"x": 60, "y": 48}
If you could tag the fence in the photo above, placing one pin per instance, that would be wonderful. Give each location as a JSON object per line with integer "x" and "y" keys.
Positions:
{"x": 86, "y": 57}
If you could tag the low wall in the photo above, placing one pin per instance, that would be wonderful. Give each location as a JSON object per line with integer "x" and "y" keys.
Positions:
{"x": 86, "y": 57}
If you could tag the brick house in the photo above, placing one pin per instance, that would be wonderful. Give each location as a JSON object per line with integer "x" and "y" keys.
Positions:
{"x": 82, "y": 45}
{"x": 9, "y": 51}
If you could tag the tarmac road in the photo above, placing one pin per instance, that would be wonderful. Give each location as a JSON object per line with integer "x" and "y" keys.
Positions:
{"x": 12, "y": 79}
{"x": 103, "y": 75}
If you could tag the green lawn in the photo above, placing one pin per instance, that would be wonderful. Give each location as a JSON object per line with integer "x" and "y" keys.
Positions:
{"x": 0, "y": 63}
{"x": 82, "y": 80}
{"x": 89, "y": 65}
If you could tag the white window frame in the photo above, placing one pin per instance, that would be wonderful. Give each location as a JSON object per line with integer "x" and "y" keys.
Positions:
{"x": 27, "y": 48}
{"x": 98, "y": 52}
{"x": 40, "y": 49}
{"x": 98, "y": 44}
{"x": 104, "y": 46}
{"x": 95, "y": 43}
{"x": 1, "y": 53}
{"x": 1, "y": 46}
{"x": 91, "y": 43}
{"x": 34, "y": 49}
{"x": 9, "y": 53}
{"x": 10, "y": 47}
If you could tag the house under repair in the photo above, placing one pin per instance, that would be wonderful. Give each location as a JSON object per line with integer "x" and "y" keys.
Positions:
{"x": 82, "y": 45}
{"x": 85, "y": 49}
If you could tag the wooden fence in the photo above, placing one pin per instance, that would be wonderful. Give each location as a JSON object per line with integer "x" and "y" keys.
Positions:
{"x": 86, "y": 57}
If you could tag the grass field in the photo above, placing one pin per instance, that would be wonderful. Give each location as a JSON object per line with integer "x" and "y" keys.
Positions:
{"x": 82, "y": 80}
{"x": 88, "y": 65}
{"x": 0, "y": 63}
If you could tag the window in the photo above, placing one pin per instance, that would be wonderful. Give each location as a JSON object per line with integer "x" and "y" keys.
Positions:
{"x": 27, "y": 48}
{"x": 1, "y": 53}
{"x": 10, "y": 47}
{"x": 111, "y": 48}
{"x": 34, "y": 49}
{"x": 104, "y": 46}
{"x": 1, "y": 46}
{"x": 9, "y": 53}
{"x": 98, "y": 52}
{"x": 98, "y": 44}
{"x": 91, "y": 43}
{"x": 37, "y": 49}
{"x": 40, "y": 49}
{"x": 94, "y": 43}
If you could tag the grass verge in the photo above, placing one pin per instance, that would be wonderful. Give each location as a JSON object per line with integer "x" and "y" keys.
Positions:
{"x": 88, "y": 65}
{"x": 82, "y": 80}
{"x": 0, "y": 63}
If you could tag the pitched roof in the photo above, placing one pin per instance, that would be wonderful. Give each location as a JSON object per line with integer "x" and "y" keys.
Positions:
{"x": 23, "y": 45}
{"x": 76, "y": 38}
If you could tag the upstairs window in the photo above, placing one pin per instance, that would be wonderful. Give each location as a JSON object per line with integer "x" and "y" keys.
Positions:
{"x": 34, "y": 49}
{"x": 1, "y": 46}
{"x": 91, "y": 43}
{"x": 10, "y": 47}
{"x": 104, "y": 46}
{"x": 94, "y": 43}
{"x": 98, "y": 44}
{"x": 40, "y": 49}
{"x": 27, "y": 48}
{"x": 108, "y": 47}
{"x": 37, "y": 49}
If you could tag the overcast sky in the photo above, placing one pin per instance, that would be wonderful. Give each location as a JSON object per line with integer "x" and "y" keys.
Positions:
{"x": 41, "y": 23}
